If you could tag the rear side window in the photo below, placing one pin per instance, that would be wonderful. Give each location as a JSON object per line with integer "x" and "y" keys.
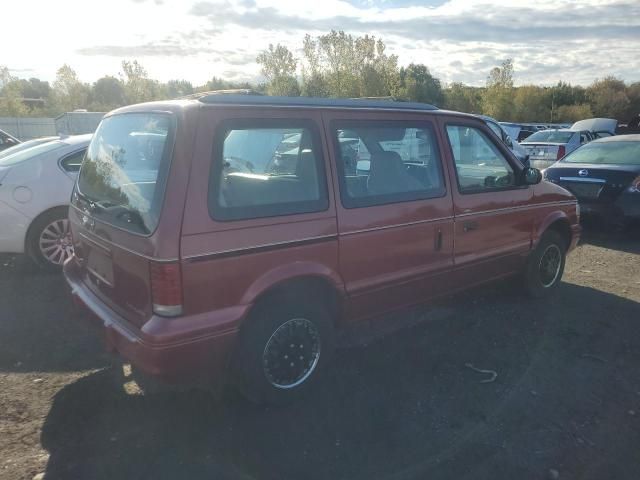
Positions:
{"x": 123, "y": 176}
{"x": 387, "y": 162}
{"x": 71, "y": 163}
{"x": 265, "y": 170}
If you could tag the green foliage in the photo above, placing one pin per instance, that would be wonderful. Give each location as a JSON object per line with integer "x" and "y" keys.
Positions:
{"x": 531, "y": 101}
{"x": 608, "y": 98}
{"x": 107, "y": 93}
{"x": 176, "y": 88}
{"x": 572, "y": 113}
{"x": 69, "y": 93}
{"x": 279, "y": 67}
{"x": 497, "y": 99}
{"x": 138, "y": 87}
{"x": 418, "y": 85}
{"x": 462, "y": 98}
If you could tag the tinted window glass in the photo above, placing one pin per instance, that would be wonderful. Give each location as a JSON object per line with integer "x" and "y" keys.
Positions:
{"x": 387, "y": 162}
{"x": 71, "y": 163}
{"x": 617, "y": 153}
{"x": 124, "y": 172}
{"x": 263, "y": 172}
{"x": 479, "y": 164}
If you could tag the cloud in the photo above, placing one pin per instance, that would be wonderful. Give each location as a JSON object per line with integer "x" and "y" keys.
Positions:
{"x": 460, "y": 40}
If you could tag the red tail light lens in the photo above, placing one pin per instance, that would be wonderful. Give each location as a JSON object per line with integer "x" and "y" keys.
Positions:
{"x": 561, "y": 151}
{"x": 166, "y": 288}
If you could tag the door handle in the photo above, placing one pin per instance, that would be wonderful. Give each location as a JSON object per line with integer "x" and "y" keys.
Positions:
{"x": 438, "y": 241}
{"x": 468, "y": 226}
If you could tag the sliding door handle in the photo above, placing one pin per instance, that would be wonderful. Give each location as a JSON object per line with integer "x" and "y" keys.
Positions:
{"x": 468, "y": 226}
{"x": 438, "y": 241}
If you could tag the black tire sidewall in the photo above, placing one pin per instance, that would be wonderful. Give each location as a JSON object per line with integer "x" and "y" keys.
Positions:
{"x": 533, "y": 283}
{"x": 33, "y": 237}
{"x": 264, "y": 320}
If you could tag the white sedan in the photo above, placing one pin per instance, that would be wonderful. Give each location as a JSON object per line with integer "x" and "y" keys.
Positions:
{"x": 35, "y": 189}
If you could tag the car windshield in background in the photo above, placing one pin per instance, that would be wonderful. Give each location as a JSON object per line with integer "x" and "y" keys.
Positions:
{"x": 23, "y": 154}
{"x": 124, "y": 172}
{"x": 550, "y": 136}
{"x": 616, "y": 153}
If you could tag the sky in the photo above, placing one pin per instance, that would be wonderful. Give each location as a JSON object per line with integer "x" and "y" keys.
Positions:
{"x": 459, "y": 40}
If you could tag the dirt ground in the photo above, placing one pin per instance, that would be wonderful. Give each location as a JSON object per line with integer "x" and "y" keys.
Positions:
{"x": 565, "y": 403}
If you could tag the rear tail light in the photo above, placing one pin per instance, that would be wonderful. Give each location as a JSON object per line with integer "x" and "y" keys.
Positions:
{"x": 561, "y": 151}
{"x": 166, "y": 288}
{"x": 635, "y": 186}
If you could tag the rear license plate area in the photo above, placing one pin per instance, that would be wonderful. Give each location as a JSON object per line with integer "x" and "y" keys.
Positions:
{"x": 584, "y": 190}
{"x": 100, "y": 267}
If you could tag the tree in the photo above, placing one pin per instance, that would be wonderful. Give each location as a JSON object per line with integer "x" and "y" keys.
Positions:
{"x": 177, "y": 88}
{"x": 462, "y": 98}
{"x": 418, "y": 85}
{"x": 531, "y": 104}
{"x": 497, "y": 100}
{"x": 138, "y": 86}
{"x": 11, "y": 104}
{"x": 107, "y": 93}
{"x": 633, "y": 109}
{"x": 608, "y": 98}
{"x": 279, "y": 67}
{"x": 68, "y": 91}
{"x": 572, "y": 113}
{"x": 341, "y": 65}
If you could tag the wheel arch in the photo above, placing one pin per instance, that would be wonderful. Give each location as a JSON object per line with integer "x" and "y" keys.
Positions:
{"x": 297, "y": 279}
{"x": 35, "y": 219}
{"x": 557, "y": 221}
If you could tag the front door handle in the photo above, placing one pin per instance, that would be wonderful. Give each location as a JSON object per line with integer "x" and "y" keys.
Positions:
{"x": 468, "y": 226}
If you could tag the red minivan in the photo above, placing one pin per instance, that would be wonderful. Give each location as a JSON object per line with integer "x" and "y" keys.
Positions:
{"x": 227, "y": 238}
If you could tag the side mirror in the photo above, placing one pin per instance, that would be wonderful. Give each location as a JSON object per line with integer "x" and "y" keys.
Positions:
{"x": 531, "y": 176}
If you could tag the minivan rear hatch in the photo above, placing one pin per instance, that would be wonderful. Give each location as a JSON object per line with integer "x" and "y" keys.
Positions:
{"x": 116, "y": 206}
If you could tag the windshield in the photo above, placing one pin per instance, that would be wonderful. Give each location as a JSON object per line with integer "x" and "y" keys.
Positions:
{"x": 550, "y": 136}
{"x": 616, "y": 153}
{"x": 24, "y": 154}
{"x": 124, "y": 172}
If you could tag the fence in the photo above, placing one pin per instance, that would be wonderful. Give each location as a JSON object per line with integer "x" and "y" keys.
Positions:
{"x": 28, "y": 128}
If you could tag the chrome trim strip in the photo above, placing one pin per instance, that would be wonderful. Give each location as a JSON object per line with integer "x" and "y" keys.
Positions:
{"x": 521, "y": 207}
{"x": 113, "y": 244}
{"x": 582, "y": 179}
{"x": 260, "y": 247}
{"x": 386, "y": 227}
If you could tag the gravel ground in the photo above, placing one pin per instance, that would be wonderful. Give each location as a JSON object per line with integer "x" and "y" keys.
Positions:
{"x": 565, "y": 403}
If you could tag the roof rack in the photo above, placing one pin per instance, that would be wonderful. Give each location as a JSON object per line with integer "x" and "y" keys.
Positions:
{"x": 360, "y": 103}
{"x": 233, "y": 91}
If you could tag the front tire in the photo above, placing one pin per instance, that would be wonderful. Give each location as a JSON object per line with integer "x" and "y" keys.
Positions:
{"x": 545, "y": 265}
{"x": 49, "y": 242}
{"x": 284, "y": 346}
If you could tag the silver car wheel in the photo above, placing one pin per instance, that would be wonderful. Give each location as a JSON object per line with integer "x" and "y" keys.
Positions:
{"x": 55, "y": 242}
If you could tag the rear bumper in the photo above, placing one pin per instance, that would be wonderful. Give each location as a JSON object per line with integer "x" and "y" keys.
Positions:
{"x": 625, "y": 208}
{"x": 153, "y": 348}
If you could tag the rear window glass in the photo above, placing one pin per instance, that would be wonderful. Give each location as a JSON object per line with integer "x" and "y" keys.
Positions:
{"x": 264, "y": 172}
{"x": 616, "y": 153}
{"x": 23, "y": 154}
{"x": 551, "y": 136}
{"x": 123, "y": 176}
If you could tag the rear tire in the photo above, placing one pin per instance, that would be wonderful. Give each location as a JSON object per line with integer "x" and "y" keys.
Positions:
{"x": 283, "y": 347}
{"x": 48, "y": 242}
{"x": 545, "y": 265}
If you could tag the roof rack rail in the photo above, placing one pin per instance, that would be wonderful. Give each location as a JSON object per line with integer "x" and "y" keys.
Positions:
{"x": 231, "y": 91}
{"x": 360, "y": 103}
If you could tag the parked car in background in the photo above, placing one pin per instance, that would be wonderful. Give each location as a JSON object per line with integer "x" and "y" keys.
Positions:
{"x": 35, "y": 188}
{"x": 605, "y": 177}
{"x": 548, "y": 146}
{"x": 599, "y": 127}
{"x": 518, "y": 131}
{"x": 25, "y": 145}
{"x": 7, "y": 140}
{"x": 198, "y": 271}
{"x": 502, "y": 133}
